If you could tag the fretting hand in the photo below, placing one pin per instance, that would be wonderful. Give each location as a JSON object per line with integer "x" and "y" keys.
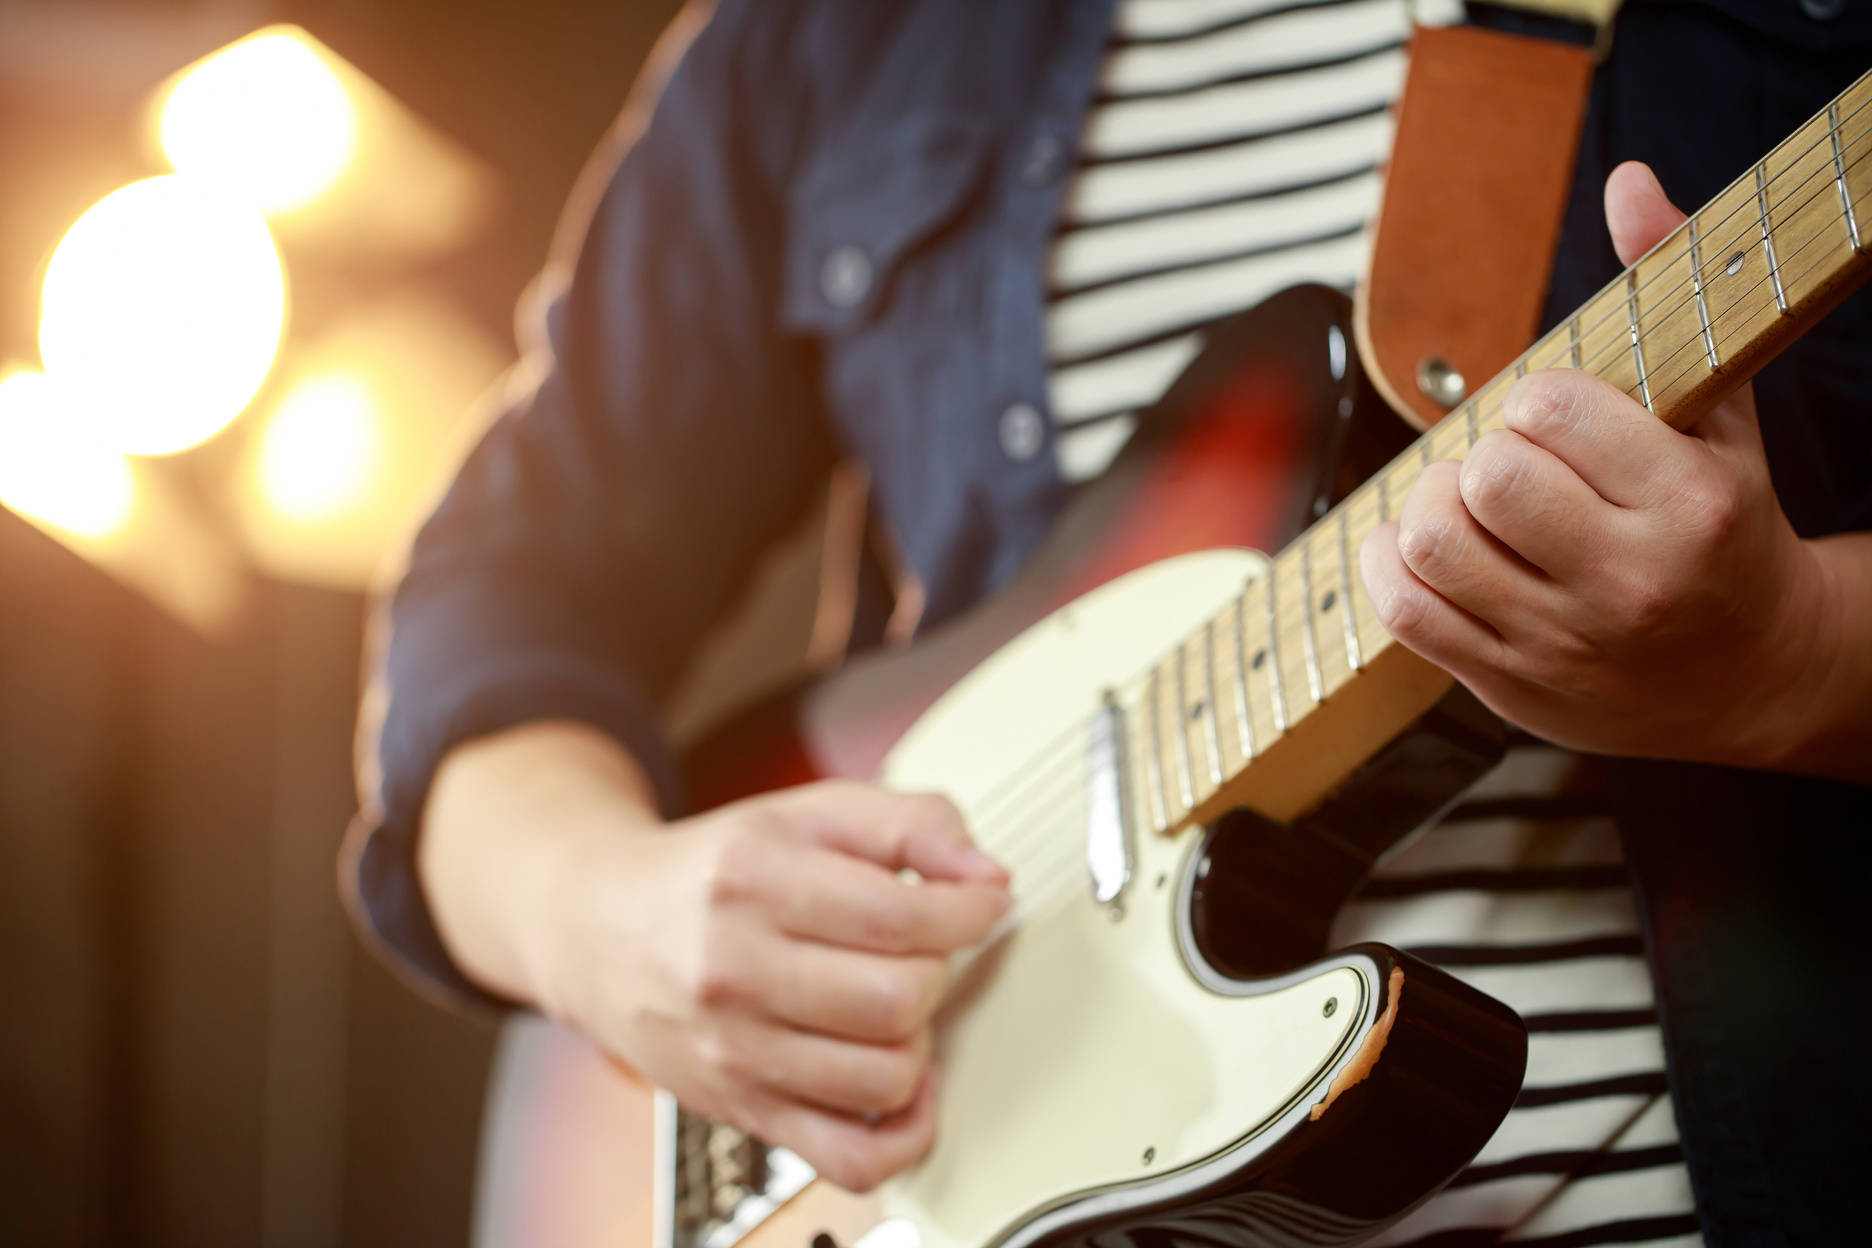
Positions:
{"x": 1614, "y": 585}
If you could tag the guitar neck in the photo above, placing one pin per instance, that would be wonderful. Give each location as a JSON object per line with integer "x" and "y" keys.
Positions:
{"x": 1281, "y": 696}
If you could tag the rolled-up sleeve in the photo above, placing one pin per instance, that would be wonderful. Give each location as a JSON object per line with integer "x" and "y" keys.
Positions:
{"x": 670, "y": 433}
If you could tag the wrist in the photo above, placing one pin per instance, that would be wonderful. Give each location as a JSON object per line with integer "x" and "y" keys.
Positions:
{"x": 513, "y": 824}
{"x": 1821, "y": 707}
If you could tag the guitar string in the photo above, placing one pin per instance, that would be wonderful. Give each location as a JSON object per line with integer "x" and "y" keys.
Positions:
{"x": 1035, "y": 789}
{"x": 1362, "y": 496}
{"x": 1044, "y": 840}
{"x": 1748, "y": 204}
{"x": 1617, "y": 344}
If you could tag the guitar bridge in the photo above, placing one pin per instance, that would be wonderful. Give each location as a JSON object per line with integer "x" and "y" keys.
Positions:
{"x": 715, "y": 1183}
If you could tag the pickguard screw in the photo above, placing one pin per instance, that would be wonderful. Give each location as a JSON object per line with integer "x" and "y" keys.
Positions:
{"x": 1161, "y": 879}
{"x": 1332, "y": 1007}
{"x": 1150, "y": 1155}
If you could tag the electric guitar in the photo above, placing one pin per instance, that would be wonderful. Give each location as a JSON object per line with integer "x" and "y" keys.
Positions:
{"x": 1189, "y": 755}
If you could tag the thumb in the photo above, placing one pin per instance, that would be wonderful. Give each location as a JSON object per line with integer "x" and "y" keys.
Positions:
{"x": 920, "y": 831}
{"x": 1637, "y": 211}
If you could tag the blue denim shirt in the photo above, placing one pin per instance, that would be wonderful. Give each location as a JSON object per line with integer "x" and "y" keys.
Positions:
{"x": 830, "y": 240}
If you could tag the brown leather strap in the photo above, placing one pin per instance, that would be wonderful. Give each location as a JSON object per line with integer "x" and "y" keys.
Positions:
{"x": 1474, "y": 199}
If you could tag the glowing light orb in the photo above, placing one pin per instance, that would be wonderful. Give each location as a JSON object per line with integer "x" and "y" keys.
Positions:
{"x": 50, "y": 471}
{"x": 266, "y": 117}
{"x": 319, "y": 451}
{"x": 161, "y": 314}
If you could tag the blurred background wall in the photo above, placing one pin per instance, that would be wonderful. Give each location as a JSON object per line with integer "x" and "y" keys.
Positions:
{"x": 193, "y": 1049}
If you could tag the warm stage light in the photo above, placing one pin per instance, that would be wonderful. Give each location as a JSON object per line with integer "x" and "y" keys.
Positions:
{"x": 50, "y": 471}
{"x": 319, "y": 450}
{"x": 162, "y": 311}
{"x": 267, "y": 117}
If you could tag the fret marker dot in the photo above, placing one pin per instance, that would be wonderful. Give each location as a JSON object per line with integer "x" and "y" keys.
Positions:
{"x": 1326, "y": 603}
{"x": 1735, "y": 263}
{"x": 1259, "y": 659}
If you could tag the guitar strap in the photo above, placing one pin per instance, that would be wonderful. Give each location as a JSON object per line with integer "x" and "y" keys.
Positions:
{"x": 1475, "y": 195}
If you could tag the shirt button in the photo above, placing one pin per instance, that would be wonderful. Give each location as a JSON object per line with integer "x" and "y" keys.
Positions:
{"x": 1022, "y": 432}
{"x": 1823, "y": 10}
{"x": 846, "y": 277}
{"x": 1045, "y": 157}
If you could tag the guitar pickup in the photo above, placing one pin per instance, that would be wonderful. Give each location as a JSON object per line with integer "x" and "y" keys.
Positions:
{"x": 1108, "y": 823}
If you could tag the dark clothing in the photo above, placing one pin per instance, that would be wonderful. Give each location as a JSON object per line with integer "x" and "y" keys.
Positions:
{"x": 833, "y": 234}
{"x": 1750, "y": 886}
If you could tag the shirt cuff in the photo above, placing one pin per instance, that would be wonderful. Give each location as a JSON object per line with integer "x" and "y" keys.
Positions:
{"x": 377, "y": 869}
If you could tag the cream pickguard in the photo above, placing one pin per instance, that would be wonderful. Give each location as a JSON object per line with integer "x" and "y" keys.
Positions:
{"x": 1042, "y": 1051}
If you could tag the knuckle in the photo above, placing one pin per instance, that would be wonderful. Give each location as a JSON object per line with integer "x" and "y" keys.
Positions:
{"x": 1493, "y": 470}
{"x": 716, "y": 1055}
{"x": 888, "y": 927}
{"x": 1403, "y": 611}
{"x": 1548, "y": 402}
{"x": 1645, "y": 603}
{"x": 1425, "y": 541}
{"x": 902, "y": 998}
{"x": 894, "y": 1008}
{"x": 716, "y": 981}
{"x": 894, "y": 1083}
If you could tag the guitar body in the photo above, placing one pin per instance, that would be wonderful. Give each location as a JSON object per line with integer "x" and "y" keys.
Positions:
{"x": 1185, "y": 1059}
{"x": 1102, "y": 1079}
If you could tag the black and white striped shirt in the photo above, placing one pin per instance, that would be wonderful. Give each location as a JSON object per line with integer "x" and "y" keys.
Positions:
{"x": 1234, "y": 150}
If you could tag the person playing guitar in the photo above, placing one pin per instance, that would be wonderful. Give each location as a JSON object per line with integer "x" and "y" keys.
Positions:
{"x": 968, "y": 245}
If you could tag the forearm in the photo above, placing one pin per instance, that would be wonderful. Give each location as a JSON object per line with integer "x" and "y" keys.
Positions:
{"x": 1829, "y": 718}
{"x": 508, "y": 819}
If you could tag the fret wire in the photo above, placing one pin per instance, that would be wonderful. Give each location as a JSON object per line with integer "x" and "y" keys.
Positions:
{"x": 1794, "y": 160}
{"x": 1839, "y": 175}
{"x": 1575, "y": 335}
{"x": 1637, "y": 347}
{"x": 1316, "y": 680}
{"x": 1354, "y": 659}
{"x": 1738, "y": 302}
{"x": 1797, "y": 251}
{"x": 1520, "y": 368}
{"x": 1774, "y": 267}
{"x": 1469, "y": 416}
{"x": 1154, "y": 772}
{"x": 1767, "y": 237}
{"x": 1696, "y": 281}
{"x": 1760, "y": 178}
{"x": 1209, "y": 720}
{"x": 1243, "y": 721}
{"x": 1277, "y": 687}
{"x": 1244, "y": 724}
{"x": 1186, "y": 775}
{"x": 1424, "y": 449}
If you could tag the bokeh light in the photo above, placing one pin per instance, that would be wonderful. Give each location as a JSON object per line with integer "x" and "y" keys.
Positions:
{"x": 320, "y": 448}
{"x": 50, "y": 471}
{"x": 162, "y": 312}
{"x": 266, "y": 117}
